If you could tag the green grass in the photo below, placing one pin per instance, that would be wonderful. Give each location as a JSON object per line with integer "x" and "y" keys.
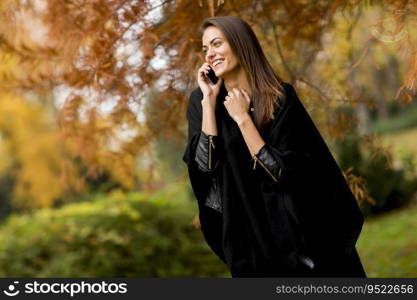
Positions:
{"x": 402, "y": 141}
{"x": 388, "y": 244}
{"x": 407, "y": 119}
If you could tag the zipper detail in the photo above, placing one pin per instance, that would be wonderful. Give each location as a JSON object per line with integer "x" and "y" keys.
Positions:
{"x": 211, "y": 144}
{"x": 256, "y": 159}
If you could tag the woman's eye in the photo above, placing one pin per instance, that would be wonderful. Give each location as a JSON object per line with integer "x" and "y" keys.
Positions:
{"x": 217, "y": 44}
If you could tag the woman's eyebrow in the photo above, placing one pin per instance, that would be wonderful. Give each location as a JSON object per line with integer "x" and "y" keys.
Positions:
{"x": 211, "y": 41}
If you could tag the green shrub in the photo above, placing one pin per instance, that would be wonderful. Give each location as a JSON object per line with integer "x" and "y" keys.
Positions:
{"x": 401, "y": 121}
{"x": 117, "y": 235}
{"x": 390, "y": 187}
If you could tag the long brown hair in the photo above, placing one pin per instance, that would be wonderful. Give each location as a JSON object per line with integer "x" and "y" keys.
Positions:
{"x": 266, "y": 85}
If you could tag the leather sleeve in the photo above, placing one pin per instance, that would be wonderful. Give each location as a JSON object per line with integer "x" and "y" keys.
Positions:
{"x": 206, "y": 156}
{"x": 267, "y": 162}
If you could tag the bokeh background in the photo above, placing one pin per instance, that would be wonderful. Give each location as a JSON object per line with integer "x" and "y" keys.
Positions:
{"x": 93, "y": 97}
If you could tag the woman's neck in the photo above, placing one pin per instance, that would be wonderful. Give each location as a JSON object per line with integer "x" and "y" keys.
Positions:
{"x": 237, "y": 80}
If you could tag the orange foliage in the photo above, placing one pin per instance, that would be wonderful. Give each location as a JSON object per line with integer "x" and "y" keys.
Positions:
{"x": 106, "y": 53}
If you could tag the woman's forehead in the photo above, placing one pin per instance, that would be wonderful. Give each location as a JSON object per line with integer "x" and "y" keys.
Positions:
{"x": 210, "y": 34}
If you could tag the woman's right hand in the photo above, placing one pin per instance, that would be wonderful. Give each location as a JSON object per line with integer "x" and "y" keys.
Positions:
{"x": 210, "y": 90}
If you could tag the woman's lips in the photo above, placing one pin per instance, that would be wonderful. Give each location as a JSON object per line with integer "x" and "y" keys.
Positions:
{"x": 217, "y": 64}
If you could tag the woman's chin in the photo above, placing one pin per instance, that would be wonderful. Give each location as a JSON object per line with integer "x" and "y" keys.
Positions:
{"x": 219, "y": 73}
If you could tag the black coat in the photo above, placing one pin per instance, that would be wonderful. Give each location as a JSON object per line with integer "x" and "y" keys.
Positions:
{"x": 266, "y": 226}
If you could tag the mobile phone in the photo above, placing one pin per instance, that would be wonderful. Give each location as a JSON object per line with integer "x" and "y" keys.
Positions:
{"x": 212, "y": 76}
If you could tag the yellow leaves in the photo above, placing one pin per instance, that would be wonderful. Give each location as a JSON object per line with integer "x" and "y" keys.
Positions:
{"x": 148, "y": 40}
{"x": 210, "y": 4}
{"x": 5, "y": 161}
{"x": 122, "y": 168}
{"x": 340, "y": 124}
{"x": 410, "y": 81}
{"x": 377, "y": 150}
{"x": 104, "y": 143}
{"x": 67, "y": 180}
{"x": 357, "y": 185}
{"x": 404, "y": 94}
{"x": 33, "y": 145}
{"x": 43, "y": 161}
{"x": 7, "y": 61}
{"x": 87, "y": 35}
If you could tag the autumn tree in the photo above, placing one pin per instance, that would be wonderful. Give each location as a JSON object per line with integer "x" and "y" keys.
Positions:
{"x": 102, "y": 60}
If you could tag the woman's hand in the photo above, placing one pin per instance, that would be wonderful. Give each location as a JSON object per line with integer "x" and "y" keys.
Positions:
{"x": 210, "y": 90}
{"x": 237, "y": 104}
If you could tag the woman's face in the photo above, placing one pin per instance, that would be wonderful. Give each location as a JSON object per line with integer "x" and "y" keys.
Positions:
{"x": 217, "y": 51}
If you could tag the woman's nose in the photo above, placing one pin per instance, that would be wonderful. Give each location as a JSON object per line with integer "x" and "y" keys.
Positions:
{"x": 210, "y": 53}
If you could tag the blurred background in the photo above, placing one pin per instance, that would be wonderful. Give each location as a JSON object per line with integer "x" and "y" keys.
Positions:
{"x": 93, "y": 97}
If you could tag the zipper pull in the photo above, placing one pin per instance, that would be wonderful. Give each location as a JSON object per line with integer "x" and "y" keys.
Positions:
{"x": 211, "y": 141}
{"x": 211, "y": 144}
{"x": 254, "y": 161}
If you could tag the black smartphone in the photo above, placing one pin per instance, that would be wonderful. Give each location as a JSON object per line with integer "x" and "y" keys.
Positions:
{"x": 212, "y": 76}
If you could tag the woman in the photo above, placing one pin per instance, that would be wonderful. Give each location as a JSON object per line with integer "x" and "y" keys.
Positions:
{"x": 272, "y": 200}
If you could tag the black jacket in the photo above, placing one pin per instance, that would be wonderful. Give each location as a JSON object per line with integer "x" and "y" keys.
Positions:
{"x": 206, "y": 157}
{"x": 292, "y": 216}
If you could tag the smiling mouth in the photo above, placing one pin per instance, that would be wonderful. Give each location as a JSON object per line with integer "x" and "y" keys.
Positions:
{"x": 217, "y": 63}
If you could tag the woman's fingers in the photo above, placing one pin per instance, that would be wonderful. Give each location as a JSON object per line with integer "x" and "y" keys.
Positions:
{"x": 235, "y": 93}
{"x": 218, "y": 83}
{"x": 203, "y": 70}
{"x": 246, "y": 96}
{"x": 202, "y": 74}
{"x": 236, "y": 98}
{"x": 204, "y": 67}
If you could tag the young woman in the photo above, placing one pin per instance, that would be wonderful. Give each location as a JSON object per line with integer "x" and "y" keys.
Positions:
{"x": 272, "y": 200}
